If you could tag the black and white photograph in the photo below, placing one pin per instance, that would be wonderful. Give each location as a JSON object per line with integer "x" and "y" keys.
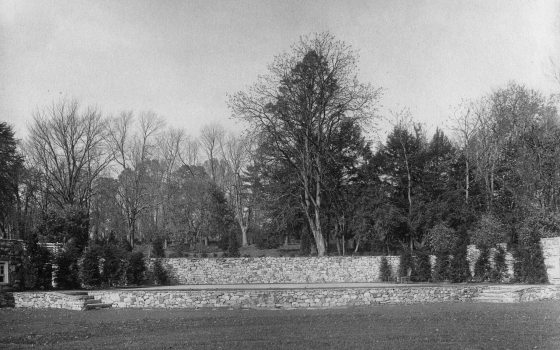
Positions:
{"x": 279, "y": 174}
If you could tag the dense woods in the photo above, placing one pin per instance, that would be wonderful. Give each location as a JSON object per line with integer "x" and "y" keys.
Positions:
{"x": 303, "y": 170}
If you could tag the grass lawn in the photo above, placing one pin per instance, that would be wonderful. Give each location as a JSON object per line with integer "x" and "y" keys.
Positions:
{"x": 429, "y": 326}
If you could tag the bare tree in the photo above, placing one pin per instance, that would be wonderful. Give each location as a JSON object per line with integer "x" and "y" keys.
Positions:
{"x": 189, "y": 151}
{"x": 236, "y": 151}
{"x": 68, "y": 146}
{"x": 133, "y": 147}
{"x": 465, "y": 124}
{"x": 211, "y": 138}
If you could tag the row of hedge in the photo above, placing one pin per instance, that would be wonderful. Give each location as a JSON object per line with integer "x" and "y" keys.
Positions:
{"x": 100, "y": 264}
{"x": 529, "y": 266}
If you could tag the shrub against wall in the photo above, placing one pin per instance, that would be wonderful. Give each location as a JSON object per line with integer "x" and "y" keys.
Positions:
{"x": 406, "y": 265}
{"x": 109, "y": 264}
{"x": 136, "y": 268}
{"x": 67, "y": 273}
{"x": 161, "y": 276}
{"x": 37, "y": 265}
{"x": 422, "y": 270}
{"x": 90, "y": 272}
{"x": 385, "y": 270}
{"x": 529, "y": 264}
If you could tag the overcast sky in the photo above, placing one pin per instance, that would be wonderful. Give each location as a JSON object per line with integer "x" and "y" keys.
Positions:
{"x": 181, "y": 58}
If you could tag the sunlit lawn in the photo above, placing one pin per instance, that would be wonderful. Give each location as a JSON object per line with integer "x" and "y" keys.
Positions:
{"x": 429, "y": 326}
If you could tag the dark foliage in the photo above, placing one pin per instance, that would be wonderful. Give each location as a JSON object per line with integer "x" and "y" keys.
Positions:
{"x": 422, "y": 271}
{"x": 69, "y": 225}
{"x": 157, "y": 247}
{"x": 136, "y": 268}
{"x": 499, "y": 272}
{"x": 67, "y": 273}
{"x": 459, "y": 269}
{"x": 10, "y": 167}
{"x": 482, "y": 268}
{"x": 37, "y": 265}
{"x": 90, "y": 269}
{"x": 114, "y": 265}
{"x": 161, "y": 277}
{"x": 529, "y": 261}
{"x": 406, "y": 265}
{"x": 442, "y": 268}
{"x": 385, "y": 272}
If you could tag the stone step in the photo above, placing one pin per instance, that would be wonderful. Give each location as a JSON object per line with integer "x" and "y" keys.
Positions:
{"x": 98, "y": 305}
{"x": 75, "y": 293}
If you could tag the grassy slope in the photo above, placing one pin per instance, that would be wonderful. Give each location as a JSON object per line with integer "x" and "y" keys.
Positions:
{"x": 431, "y": 326}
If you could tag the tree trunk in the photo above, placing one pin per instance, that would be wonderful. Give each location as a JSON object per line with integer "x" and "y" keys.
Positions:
{"x": 467, "y": 182}
{"x": 243, "y": 235}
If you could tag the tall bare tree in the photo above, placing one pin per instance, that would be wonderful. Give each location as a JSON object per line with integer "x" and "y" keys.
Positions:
{"x": 133, "y": 146}
{"x": 211, "y": 139}
{"x": 465, "y": 124}
{"x": 306, "y": 95}
{"x": 68, "y": 145}
{"x": 236, "y": 151}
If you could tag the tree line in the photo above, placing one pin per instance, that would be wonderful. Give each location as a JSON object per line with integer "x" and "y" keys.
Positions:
{"x": 304, "y": 169}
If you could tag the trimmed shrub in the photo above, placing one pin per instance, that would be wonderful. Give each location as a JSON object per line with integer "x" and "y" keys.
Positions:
{"x": 406, "y": 264}
{"x": 67, "y": 273}
{"x": 529, "y": 266}
{"x": 113, "y": 270}
{"x": 459, "y": 268}
{"x": 422, "y": 271}
{"x": 37, "y": 266}
{"x": 499, "y": 272}
{"x": 160, "y": 274}
{"x": 90, "y": 274}
{"x": 441, "y": 268}
{"x": 136, "y": 268}
{"x": 385, "y": 272}
{"x": 482, "y": 268}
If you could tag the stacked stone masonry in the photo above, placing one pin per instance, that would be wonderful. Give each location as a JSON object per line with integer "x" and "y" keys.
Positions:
{"x": 43, "y": 300}
{"x": 285, "y": 299}
{"x": 276, "y": 270}
{"x": 294, "y": 298}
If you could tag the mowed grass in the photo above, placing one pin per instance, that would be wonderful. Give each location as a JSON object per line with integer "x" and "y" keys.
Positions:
{"x": 428, "y": 326}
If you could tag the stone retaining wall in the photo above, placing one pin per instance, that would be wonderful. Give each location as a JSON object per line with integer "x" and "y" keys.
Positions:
{"x": 551, "y": 253}
{"x": 294, "y": 298}
{"x": 540, "y": 293}
{"x": 43, "y": 300}
{"x": 276, "y": 270}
